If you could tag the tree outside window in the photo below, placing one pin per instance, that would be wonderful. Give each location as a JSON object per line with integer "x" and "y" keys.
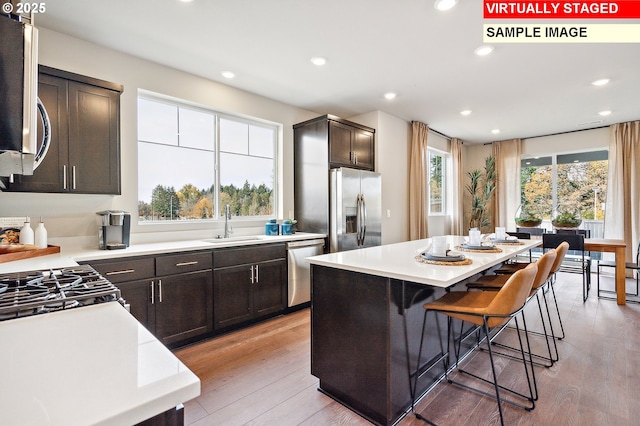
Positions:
{"x": 580, "y": 181}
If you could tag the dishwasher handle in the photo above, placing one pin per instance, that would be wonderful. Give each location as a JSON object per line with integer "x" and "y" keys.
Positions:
{"x": 305, "y": 243}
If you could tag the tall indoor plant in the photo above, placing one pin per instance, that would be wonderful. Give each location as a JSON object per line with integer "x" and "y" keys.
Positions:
{"x": 482, "y": 184}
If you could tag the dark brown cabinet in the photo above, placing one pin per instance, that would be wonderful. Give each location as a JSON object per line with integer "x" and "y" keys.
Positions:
{"x": 350, "y": 146}
{"x": 249, "y": 283}
{"x": 332, "y": 142}
{"x": 84, "y": 154}
{"x": 171, "y": 295}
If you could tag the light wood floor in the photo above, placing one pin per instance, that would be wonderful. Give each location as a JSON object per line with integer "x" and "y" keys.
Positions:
{"x": 261, "y": 375}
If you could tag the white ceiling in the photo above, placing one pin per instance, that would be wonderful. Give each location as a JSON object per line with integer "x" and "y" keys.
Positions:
{"x": 372, "y": 47}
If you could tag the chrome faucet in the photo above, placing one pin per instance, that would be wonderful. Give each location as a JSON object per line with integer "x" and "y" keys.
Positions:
{"x": 227, "y": 217}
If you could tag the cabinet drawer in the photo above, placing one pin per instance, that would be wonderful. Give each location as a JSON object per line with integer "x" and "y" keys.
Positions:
{"x": 127, "y": 269}
{"x": 182, "y": 263}
{"x": 252, "y": 254}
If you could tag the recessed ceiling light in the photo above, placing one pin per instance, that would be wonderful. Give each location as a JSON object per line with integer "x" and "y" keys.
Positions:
{"x": 604, "y": 113}
{"x": 495, "y": 131}
{"x": 483, "y": 50}
{"x": 445, "y": 4}
{"x": 465, "y": 112}
{"x": 390, "y": 95}
{"x": 318, "y": 60}
{"x": 228, "y": 74}
{"x": 186, "y": 1}
{"x": 600, "y": 82}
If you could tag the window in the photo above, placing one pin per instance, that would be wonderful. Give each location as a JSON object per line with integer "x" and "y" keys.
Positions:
{"x": 575, "y": 181}
{"x": 436, "y": 186}
{"x": 192, "y": 162}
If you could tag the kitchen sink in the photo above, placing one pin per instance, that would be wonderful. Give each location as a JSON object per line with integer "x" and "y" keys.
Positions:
{"x": 232, "y": 239}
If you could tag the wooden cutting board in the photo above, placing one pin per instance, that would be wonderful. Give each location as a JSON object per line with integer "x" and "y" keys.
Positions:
{"x": 26, "y": 251}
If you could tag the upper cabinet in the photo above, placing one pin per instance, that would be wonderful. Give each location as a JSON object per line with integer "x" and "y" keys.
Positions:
{"x": 84, "y": 154}
{"x": 339, "y": 142}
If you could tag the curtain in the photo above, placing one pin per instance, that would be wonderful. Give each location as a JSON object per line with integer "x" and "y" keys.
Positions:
{"x": 457, "y": 213}
{"x": 622, "y": 217}
{"x": 418, "y": 170}
{"x": 507, "y": 193}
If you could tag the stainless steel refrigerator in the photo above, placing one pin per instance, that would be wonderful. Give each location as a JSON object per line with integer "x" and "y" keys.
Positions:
{"x": 355, "y": 209}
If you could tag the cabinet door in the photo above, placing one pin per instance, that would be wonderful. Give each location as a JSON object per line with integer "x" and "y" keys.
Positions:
{"x": 340, "y": 136}
{"x": 183, "y": 306}
{"x": 270, "y": 287}
{"x": 94, "y": 149}
{"x": 138, "y": 295}
{"x": 48, "y": 177}
{"x": 363, "y": 148}
{"x": 232, "y": 296}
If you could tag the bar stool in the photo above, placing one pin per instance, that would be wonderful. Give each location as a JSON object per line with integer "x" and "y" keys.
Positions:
{"x": 488, "y": 310}
{"x": 561, "y": 252}
{"x": 496, "y": 282}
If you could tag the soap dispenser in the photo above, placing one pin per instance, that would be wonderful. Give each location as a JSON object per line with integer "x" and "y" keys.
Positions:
{"x": 41, "y": 235}
{"x": 26, "y": 233}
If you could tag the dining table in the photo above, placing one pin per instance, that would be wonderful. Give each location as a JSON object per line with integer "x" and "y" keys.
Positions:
{"x": 618, "y": 247}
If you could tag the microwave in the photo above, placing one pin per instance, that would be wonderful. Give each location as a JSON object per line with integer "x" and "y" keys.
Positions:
{"x": 18, "y": 96}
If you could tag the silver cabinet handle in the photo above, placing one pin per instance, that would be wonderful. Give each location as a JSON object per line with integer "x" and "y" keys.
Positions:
{"x": 252, "y": 279}
{"x": 73, "y": 177}
{"x": 160, "y": 291}
{"x": 124, "y": 271}
{"x": 64, "y": 176}
{"x": 194, "y": 262}
{"x": 153, "y": 292}
{"x": 257, "y": 279}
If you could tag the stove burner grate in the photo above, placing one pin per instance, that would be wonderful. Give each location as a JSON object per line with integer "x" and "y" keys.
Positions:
{"x": 31, "y": 293}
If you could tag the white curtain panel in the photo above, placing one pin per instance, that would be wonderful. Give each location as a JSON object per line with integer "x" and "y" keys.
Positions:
{"x": 507, "y": 192}
{"x": 418, "y": 171}
{"x": 457, "y": 213}
{"x": 622, "y": 217}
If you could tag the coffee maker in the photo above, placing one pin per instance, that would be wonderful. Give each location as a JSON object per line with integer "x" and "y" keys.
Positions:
{"x": 114, "y": 228}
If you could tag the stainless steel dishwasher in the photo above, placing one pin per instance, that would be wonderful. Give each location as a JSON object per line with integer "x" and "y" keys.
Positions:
{"x": 299, "y": 271}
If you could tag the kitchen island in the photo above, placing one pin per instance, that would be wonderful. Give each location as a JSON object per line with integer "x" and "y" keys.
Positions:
{"x": 366, "y": 321}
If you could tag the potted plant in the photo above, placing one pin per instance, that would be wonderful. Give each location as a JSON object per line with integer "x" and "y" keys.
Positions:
{"x": 566, "y": 218}
{"x": 526, "y": 217}
{"x": 482, "y": 184}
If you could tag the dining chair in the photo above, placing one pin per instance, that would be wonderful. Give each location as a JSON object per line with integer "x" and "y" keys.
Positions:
{"x": 520, "y": 259}
{"x": 532, "y": 231}
{"x": 570, "y": 261}
{"x": 496, "y": 282}
{"x": 612, "y": 264}
{"x": 489, "y": 311}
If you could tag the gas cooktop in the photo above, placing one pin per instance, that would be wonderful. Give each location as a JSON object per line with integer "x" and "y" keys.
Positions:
{"x": 37, "y": 292}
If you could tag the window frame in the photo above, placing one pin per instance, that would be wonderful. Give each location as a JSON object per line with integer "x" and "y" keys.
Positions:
{"x": 217, "y": 114}
{"x": 444, "y": 184}
{"x": 588, "y": 155}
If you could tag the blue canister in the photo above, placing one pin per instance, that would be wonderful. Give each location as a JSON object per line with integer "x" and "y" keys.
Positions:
{"x": 271, "y": 227}
{"x": 287, "y": 227}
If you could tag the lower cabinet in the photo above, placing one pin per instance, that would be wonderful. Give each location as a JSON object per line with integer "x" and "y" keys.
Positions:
{"x": 173, "y": 298}
{"x": 249, "y": 283}
{"x": 184, "y": 297}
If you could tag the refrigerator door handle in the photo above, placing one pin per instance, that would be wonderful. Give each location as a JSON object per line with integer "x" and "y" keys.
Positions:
{"x": 359, "y": 220}
{"x": 364, "y": 218}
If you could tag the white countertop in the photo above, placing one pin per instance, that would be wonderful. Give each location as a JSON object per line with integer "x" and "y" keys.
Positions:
{"x": 89, "y": 365}
{"x": 70, "y": 254}
{"x": 398, "y": 261}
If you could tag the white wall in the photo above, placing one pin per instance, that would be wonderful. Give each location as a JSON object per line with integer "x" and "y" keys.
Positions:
{"x": 74, "y": 214}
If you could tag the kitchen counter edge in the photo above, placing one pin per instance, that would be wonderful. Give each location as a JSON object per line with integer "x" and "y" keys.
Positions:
{"x": 69, "y": 255}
